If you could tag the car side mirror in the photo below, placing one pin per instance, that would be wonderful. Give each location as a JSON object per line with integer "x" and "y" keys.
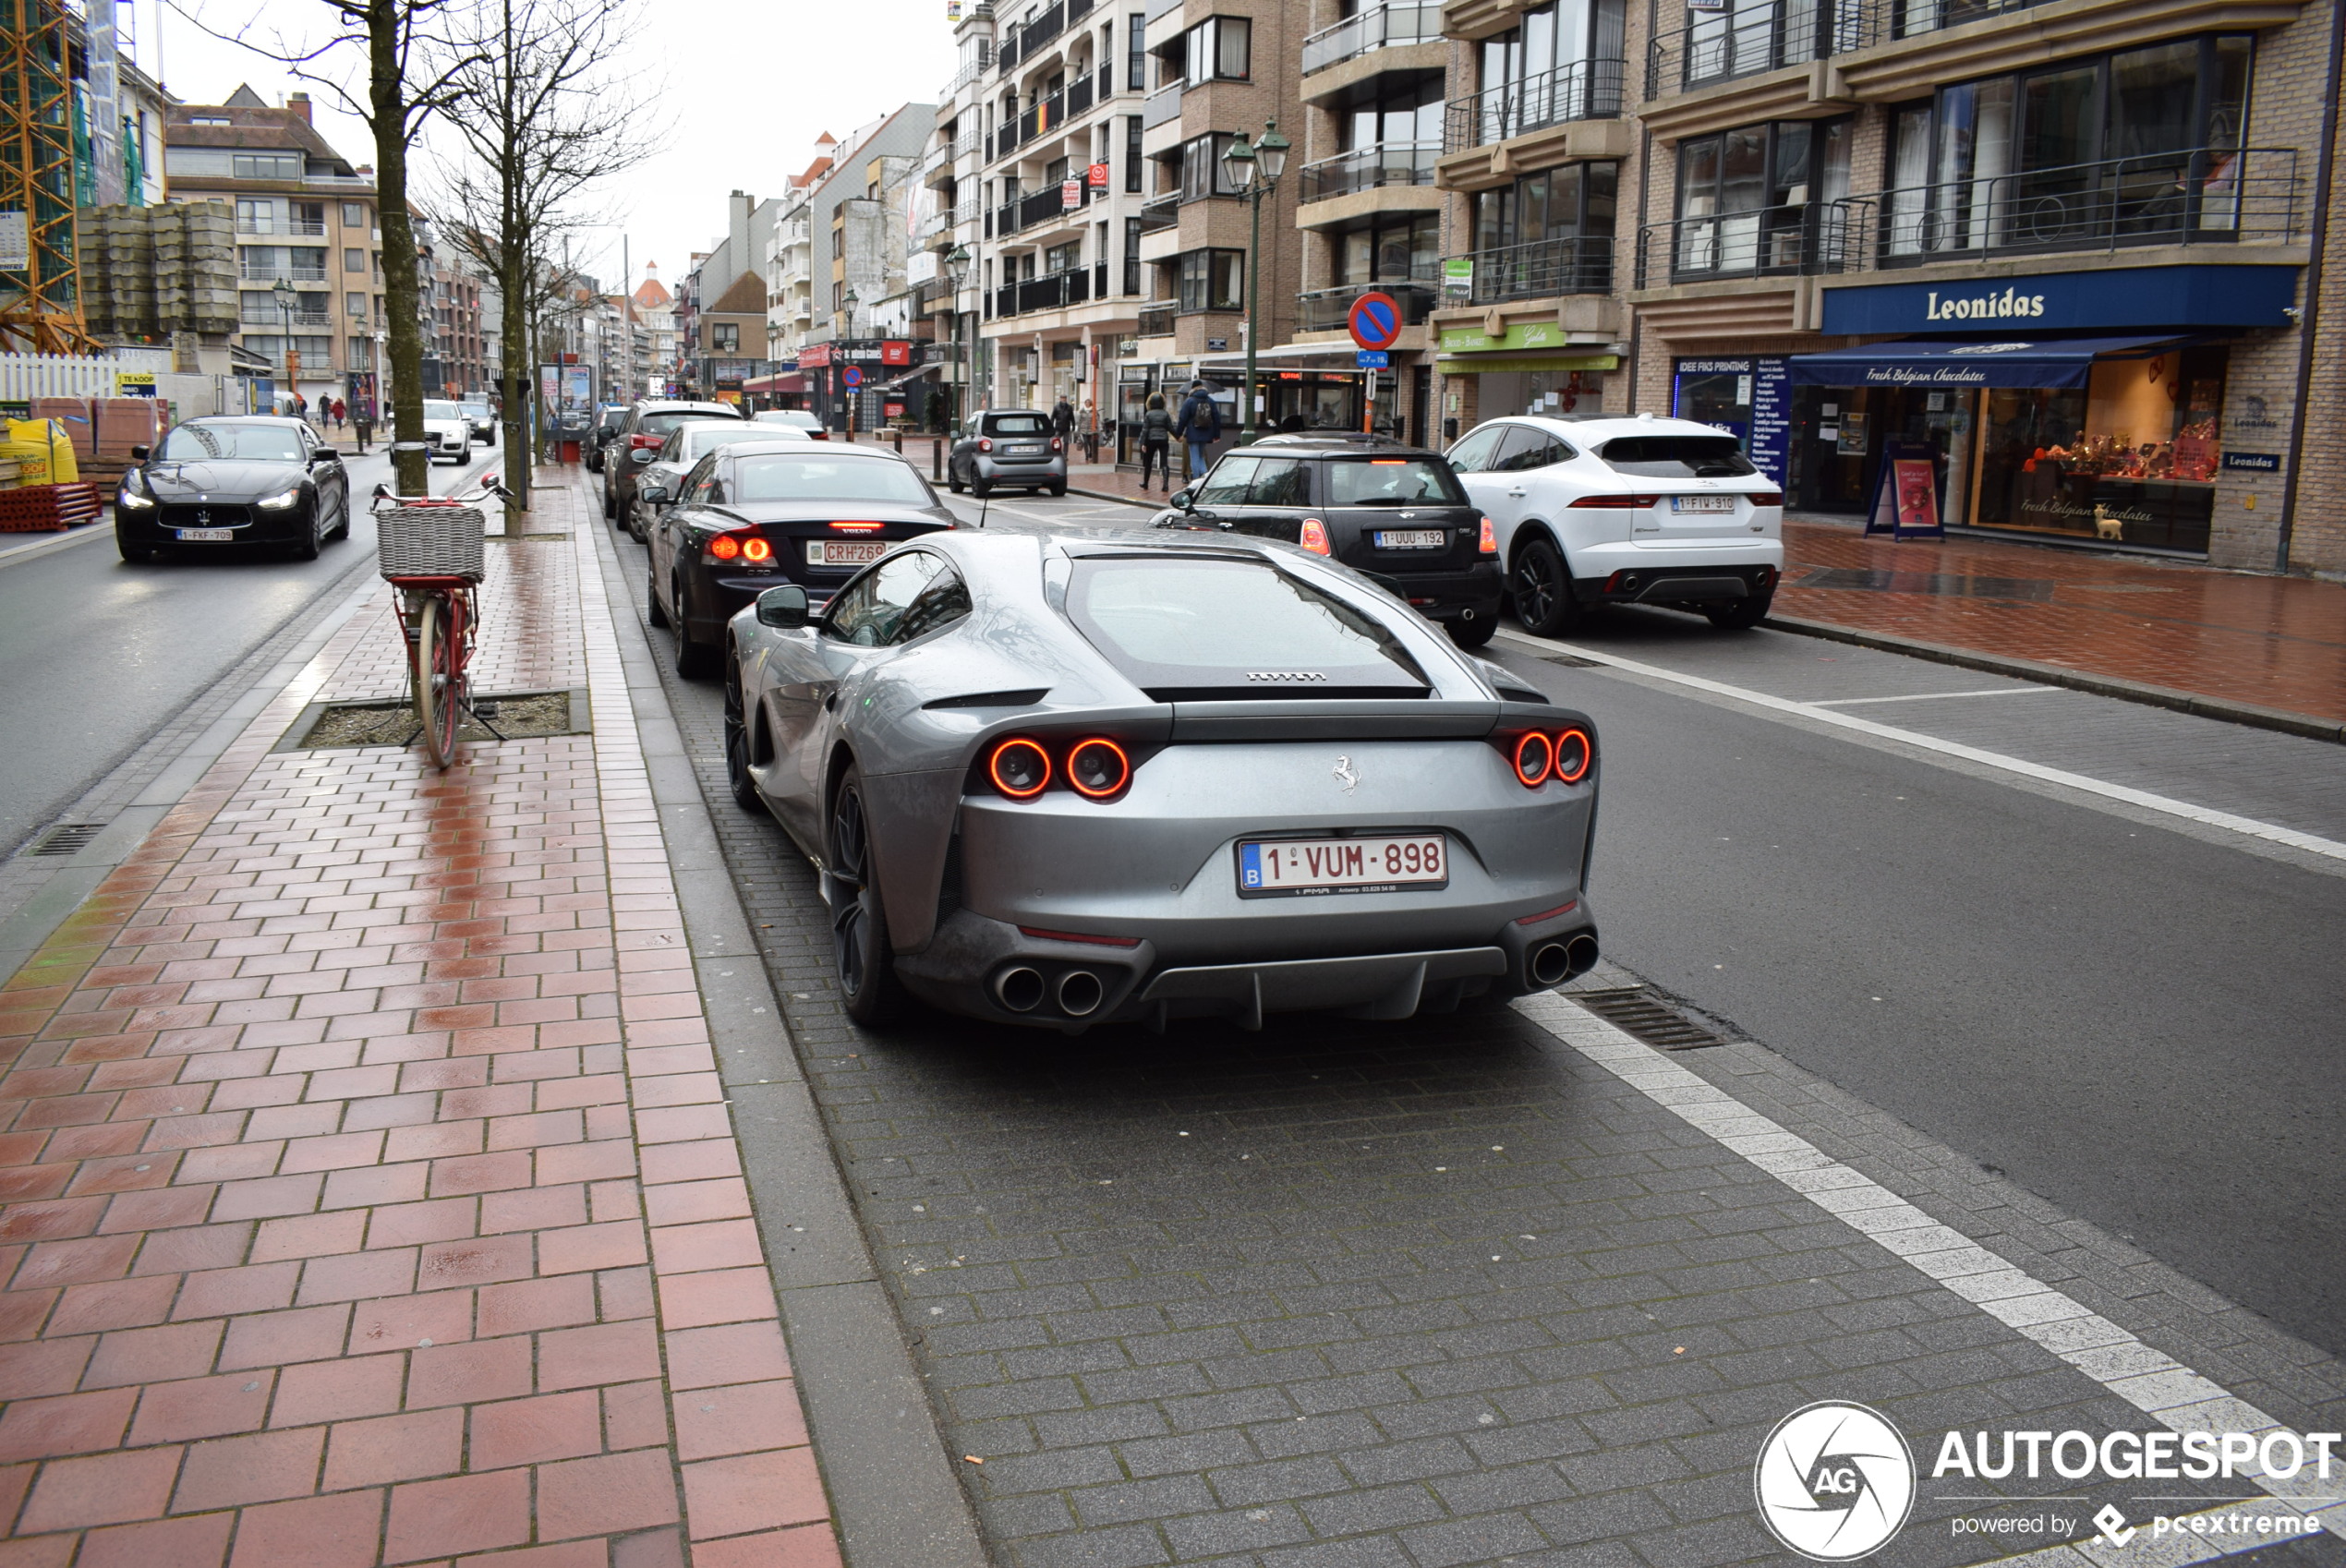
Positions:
{"x": 784, "y": 608}
{"x": 138, "y": 454}
{"x": 1179, "y": 498}
{"x": 653, "y": 495}
{"x": 642, "y": 454}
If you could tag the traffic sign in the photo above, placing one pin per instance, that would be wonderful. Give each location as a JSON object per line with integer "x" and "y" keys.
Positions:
{"x": 1371, "y": 359}
{"x": 852, "y": 374}
{"x": 1375, "y": 320}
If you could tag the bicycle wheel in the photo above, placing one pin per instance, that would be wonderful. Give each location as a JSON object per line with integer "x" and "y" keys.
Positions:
{"x": 439, "y": 638}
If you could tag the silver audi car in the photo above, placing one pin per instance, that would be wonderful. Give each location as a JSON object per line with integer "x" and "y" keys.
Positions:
{"x": 1065, "y": 778}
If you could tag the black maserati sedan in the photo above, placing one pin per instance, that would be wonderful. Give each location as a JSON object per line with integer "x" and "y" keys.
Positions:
{"x": 224, "y": 483}
{"x": 754, "y": 515}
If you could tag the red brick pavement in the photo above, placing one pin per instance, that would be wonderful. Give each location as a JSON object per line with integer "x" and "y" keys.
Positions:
{"x": 369, "y": 1192}
{"x": 2270, "y": 642}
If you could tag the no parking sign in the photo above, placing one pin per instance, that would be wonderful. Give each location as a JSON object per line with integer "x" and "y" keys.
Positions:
{"x": 1375, "y": 320}
{"x": 852, "y": 374}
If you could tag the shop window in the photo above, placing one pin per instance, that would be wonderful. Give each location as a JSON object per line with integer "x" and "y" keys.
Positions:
{"x": 1768, "y": 198}
{"x": 2143, "y": 145}
{"x": 1216, "y": 49}
{"x": 1209, "y": 280}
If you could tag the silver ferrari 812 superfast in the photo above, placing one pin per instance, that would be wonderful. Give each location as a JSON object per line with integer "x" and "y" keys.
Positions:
{"x": 1069, "y": 778}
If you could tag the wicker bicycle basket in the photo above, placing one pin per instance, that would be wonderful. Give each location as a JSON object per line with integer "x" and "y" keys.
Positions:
{"x": 430, "y": 541}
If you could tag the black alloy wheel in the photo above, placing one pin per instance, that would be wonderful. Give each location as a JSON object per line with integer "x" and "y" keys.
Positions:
{"x": 655, "y": 614}
{"x": 979, "y": 488}
{"x": 611, "y": 510}
{"x": 306, "y": 548}
{"x": 1742, "y": 614}
{"x": 1541, "y": 588}
{"x": 135, "y": 554}
{"x": 953, "y": 475}
{"x": 694, "y": 661}
{"x": 863, "y": 958}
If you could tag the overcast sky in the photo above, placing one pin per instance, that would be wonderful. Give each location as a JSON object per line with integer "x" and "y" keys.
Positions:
{"x": 749, "y": 85}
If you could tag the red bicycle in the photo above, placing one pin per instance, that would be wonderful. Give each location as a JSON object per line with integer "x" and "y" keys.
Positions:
{"x": 429, "y": 547}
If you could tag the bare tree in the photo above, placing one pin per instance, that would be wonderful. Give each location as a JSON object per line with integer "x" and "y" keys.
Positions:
{"x": 542, "y": 112}
{"x": 410, "y": 76}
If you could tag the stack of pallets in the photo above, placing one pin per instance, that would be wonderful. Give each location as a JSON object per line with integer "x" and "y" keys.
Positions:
{"x": 44, "y": 508}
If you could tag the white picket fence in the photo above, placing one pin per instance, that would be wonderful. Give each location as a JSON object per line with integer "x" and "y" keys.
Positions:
{"x": 27, "y": 376}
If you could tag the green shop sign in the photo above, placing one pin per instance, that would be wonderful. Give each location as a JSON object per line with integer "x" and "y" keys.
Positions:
{"x": 1529, "y": 334}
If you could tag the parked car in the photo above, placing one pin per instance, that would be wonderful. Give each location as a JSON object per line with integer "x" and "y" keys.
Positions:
{"x": 1008, "y": 446}
{"x": 607, "y": 424}
{"x": 448, "y": 432}
{"x": 782, "y": 509}
{"x": 644, "y": 429}
{"x": 1593, "y": 510}
{"x": 793, "y": 418}
{"x": 483, "y": 418}
{"x": 1393, "y": 511}
{"x": 685, "y": 445}
{"x": 217, "y": 483}
{"x": 1064, "y": 778}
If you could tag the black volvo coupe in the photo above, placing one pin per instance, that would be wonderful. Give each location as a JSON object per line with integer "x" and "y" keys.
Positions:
{"x": 217, "y": 483}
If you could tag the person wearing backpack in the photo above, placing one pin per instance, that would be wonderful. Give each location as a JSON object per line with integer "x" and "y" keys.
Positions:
{"x": 1199, "y": 424}
{"x": 1156, "y": 442}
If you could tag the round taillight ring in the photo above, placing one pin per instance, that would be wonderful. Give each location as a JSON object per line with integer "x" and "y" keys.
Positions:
{"x": 756, "y": 550}
{"x": 1020, "y": 769}
{"x": 1535, "y": 756}
{"x": 1099, "y": 768}
{"x": 724, "y": 547}
{"x": 1574, "y": 755}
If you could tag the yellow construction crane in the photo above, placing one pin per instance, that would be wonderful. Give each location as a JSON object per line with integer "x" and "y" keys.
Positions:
{"x": 39, "y": 265}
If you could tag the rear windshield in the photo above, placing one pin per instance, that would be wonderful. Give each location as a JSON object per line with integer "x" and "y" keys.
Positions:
{"x": 1018, "y": 424}
{"x": 661, "y": 424}
{"x": 1677, "y": 457}
{"x": 1202, "y": 629}
{"x": 707, "y": 438}
{"x": 252, "y": 443}
{"x": 613, "y": 419}
{"x": 793, "y": 477}
{"x": 1393, "y": 481}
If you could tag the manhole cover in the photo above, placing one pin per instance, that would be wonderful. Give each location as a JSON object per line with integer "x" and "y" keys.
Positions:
{"x": 517, "y": 716}
{"x": 67, "y": 838}
{"x": 1637, "y": 1011}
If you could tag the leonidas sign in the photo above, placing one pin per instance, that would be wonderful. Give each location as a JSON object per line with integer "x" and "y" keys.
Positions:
{"x": 2111, "y": 298}
{"x": 1990, "y": 307}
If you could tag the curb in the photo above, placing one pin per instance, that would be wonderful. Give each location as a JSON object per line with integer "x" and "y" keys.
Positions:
{"x": 2249, "y": 713}
{"x": 1110, "y": 495}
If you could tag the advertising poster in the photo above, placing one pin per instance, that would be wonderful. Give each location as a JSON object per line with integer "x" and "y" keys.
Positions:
{"x": 1906, "y": 494}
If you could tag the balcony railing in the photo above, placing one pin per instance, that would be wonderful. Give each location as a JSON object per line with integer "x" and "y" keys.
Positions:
{"x": 1586, "y": 89}
{"x": 254, "y": 272}
{"x": 1160, "y": 212}
{"x": 1373, "y": 28}
{"x": 1816, "y": 237}
{"x": 1725, "y": 45}
{"x": 1330, "y": 310}
{"x": 263, "y": 225}
{"x": 970, "y": 140}
{"x": 1156, "y": 319}
{"x": 2203, "y": 195}
{"x": 1537, "y": 269}
{"x": 1020, "y": 44}
{"x": 1050, "y": 292}
{"x": 1052, "y": 113}
{"x": 974, "y": 70}
{"x": 1391, "y": 163}
{"x": 1160, "y": 106}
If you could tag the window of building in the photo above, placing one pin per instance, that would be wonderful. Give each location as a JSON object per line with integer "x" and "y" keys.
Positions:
{"x": 1400, "y": 115}
{"x": 1761, "y": 198}
{"x": 1132, "y": 154}
{"x": 1555, "y": 204}
{"x": 354, "y": 215}
{"x": 309, "y": 264}
{"x": 355, "y": 307}
{"x": 354, "y": 260}
{"x": 1399, "y": 250}
{"x": 1216, "y": 49}
{"x": 1562, "y": 62}
{"x": 1202, "y": 171}
{"x": 309, "y": 217}
{"x": 725, "y": 337}
{"x": 1064, "y": 258}
{"x": 2143, "y": 143}
{"x": 266, "y": 165}
{"x": 1136, "y": 59}
{"x": 256, "y": 215}
{"x": 1210, "y": 280}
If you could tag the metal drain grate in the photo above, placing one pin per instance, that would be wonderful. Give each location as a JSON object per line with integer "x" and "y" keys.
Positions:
{"x": 68, "y": 837}
{"x": 1635, "y": 1011}
{"x": 1572, "y": 660}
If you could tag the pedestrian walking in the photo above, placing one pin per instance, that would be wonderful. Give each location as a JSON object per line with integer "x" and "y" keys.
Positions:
{"x": 341, "y": 408}
{"x": 1063, "y": 419}
{"x": 301, "y": 408}
{"x": 1199, "y": 424}
{"x": 1156, "y": 442}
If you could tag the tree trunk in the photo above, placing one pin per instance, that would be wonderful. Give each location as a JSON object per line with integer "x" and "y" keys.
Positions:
{"x": 410, "y": 461}
{"x": 513, "y": 277}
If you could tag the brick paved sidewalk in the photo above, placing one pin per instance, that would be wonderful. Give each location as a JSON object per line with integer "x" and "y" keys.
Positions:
{"x": 370, "y": 1196}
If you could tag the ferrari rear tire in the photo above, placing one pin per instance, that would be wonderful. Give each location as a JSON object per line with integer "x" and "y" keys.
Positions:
{"x": 742, "y": 788}
{"x": 863, "y": 960}
{"x": 1540, "y": 590}
{"x": 653, "y": 613}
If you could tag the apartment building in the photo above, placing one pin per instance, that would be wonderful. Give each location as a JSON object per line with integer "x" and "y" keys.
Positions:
{"x": 305, "y": 216}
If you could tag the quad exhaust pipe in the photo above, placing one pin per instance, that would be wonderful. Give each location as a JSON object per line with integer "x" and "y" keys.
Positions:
{"x": 1081, "y": 993}
{"x": 1018, "y": 988}
{"x": 1553, "y": 963}
{"x": 1022, "y": 988}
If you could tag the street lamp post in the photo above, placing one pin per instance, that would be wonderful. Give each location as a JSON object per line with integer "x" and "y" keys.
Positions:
{"x": 848, "y": 342}
{"x": 1240, "y": 167}
{"x": 957, "y": 271}
{"x": 285, "y": 296}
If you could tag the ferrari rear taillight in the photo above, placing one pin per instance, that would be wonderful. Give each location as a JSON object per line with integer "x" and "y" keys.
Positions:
{"x": 1315, "y": 537}
{"x": 1095, "y": 766}
{"x": 1020, "y": 769}
{"x": 1489, "y": 542}
{"x": 1098, "y": 767}
{"x": 1617, "y": 502}
{"x": 1540, "y": 755}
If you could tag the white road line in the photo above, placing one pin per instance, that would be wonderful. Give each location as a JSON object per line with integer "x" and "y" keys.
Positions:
{"x": 1934, "y": 697}
{"x": 2205, "y": 815}
{"x": 81, "y": 535}
{"x": 2149, "y": 1380}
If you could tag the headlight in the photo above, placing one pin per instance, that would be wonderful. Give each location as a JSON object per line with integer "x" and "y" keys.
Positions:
{"x": 133, "y": 500}
{"x": 281, "y": 500}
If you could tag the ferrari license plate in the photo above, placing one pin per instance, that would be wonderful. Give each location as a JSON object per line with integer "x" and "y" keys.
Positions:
{"x": 842, "y": 552}
{"x": 1270, "y": 867}
{"x": 206, "y": 536}
{"x": 1410, "y": 538}
{"x": 1703, "y": 503}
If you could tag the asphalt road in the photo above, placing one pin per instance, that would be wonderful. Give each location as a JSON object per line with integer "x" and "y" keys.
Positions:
{"x": 101, "y": 652}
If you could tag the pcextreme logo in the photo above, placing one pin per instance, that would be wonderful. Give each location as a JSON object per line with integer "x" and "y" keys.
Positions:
{"x": 1834, "y": 1481}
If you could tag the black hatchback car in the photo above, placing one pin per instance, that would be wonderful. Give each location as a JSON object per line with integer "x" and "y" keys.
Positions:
{"x": 1395, "y": 512}
{"x": 754, "y": 515}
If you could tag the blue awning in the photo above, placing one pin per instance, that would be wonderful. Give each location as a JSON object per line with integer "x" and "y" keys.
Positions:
{"x": 2052, "y": 362}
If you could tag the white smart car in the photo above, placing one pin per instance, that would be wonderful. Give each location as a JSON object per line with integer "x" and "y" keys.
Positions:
{"x": 1600, "y": 509}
